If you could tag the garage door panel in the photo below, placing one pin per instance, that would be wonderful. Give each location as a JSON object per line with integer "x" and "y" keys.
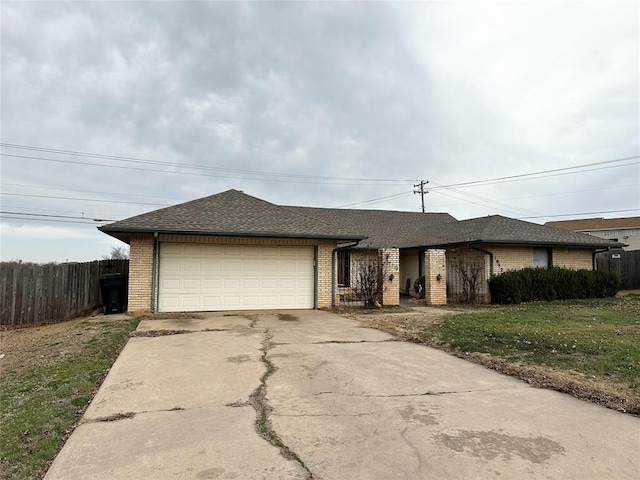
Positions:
{"x": 211, "y": 302}
{"x": 192, "y": 284}
{"x": 171, "y": 249}
{"x": 192, "y": 250}
{"x": 212, "y": 266}
{"x": 189, "y": 301}
{"x": 232, "y": 266}
{"x": 167, "y": 284}
{"x": 212, "y": 250}
{"x": 251, "y": 283}
{"x": 227, "y": 277}
{"x": 212, "y": 284}
{"x": 269, "y": 283}
{"x": 191, "y": 266}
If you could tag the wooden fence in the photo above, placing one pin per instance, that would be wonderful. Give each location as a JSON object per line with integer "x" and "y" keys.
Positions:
{"x": 626, "y": 263}
{"x": 37, "y": 294}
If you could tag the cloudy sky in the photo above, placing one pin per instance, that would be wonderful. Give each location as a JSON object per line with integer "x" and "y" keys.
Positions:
{"x": 114, "y": 109}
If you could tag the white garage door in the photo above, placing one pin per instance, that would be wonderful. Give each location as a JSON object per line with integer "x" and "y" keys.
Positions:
{"x": 199, "y": 277}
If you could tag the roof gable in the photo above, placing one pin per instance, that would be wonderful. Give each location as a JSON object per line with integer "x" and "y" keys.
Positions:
{"x": 231, "y": 213}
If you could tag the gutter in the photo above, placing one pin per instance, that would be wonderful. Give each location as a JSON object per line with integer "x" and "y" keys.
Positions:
{"x": 486, "y": 252}
{"x": 333, "y": 268}
{"x": 207, "y": 233}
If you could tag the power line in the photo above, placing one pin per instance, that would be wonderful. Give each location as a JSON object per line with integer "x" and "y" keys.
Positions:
{"x": 584, "y": 213}
{"x": 513, "y": 177}
{"x": 376, "y": 200}
{"x": 504, "y": 209}
{"x": 83, "y": 199}
{"x": 339, "y": 181}
{"x": 90, "y": 191}
{"x": 56, "y": 216}
{"x": 24, "y": 207}
{"x": 119, "y": 158}
{"x": 550, "y": 194}
{"x": 488, "y": 200}
{"x": 47, "y": 220}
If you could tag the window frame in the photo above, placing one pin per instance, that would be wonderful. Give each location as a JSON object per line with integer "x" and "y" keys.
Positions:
{"x": 344, "y": 268}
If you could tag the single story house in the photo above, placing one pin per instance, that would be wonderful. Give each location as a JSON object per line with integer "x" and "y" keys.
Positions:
{"x": 232, "y": 251}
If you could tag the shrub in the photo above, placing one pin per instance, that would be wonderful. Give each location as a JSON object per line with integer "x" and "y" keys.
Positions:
{"x": 535, "y": 284}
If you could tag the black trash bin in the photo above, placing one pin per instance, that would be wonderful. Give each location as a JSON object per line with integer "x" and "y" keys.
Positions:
{"x": 113, "y": 287}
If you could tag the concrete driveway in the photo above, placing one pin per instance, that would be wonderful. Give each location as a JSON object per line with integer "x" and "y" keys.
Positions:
{"x": 310, "y": 394}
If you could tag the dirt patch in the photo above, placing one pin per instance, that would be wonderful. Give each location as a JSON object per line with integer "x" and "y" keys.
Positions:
{"x": 42, "y": 345}
{"x": 403, "y": 326}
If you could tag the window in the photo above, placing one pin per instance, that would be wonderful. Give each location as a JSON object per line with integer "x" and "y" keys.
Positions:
{"x": 541, "y": 257}
{"x": 344, "y": 270}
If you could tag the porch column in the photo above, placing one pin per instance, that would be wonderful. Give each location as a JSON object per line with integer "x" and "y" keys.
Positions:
{"x": 391, "y": 268}
{"x": 435, "y": 277}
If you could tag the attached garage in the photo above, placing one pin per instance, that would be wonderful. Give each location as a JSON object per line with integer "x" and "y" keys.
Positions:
{"x": 206, "y": 277}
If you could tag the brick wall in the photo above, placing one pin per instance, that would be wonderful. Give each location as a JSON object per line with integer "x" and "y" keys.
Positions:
{"x": 325, "y": 249}
{"x": 141, "y": 253}
{"x": 573, "y": 258}
{"x": 391, "y": 285}
{"x": 140, "y": 268}
{"x": 506, "y": 258}
{"x": 435, "y": 263}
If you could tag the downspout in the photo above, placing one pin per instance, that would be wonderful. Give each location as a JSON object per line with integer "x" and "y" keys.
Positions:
{"x": 333, "y": 268}
{"x": 315, "y": 277}
{"x": 154, "y": 273}
{"x": 594, "y": 264}
{"x": 487, "y": 252}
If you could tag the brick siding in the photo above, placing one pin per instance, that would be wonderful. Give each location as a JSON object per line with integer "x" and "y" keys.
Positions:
{"x": 435, "y": 263}
{"x": 573, "y": 258}
{"x": 140, "y": 268}
{"x": 391, "y": 277}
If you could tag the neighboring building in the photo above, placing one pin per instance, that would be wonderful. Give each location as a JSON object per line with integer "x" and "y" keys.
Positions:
{"x": 231, "y": 251}
{"x": 623, "y": 230}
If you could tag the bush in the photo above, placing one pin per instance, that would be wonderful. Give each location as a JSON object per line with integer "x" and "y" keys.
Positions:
{"x": 540, "y": 284}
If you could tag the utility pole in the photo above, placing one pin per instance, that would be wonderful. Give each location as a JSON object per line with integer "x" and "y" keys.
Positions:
{"x": 421, "y": 191}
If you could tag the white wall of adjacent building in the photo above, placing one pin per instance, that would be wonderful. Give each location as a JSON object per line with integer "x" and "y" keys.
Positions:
{"x": 630, "y": 236}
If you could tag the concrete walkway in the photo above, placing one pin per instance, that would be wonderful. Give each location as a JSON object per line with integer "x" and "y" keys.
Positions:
{"x": 313, "y": 395}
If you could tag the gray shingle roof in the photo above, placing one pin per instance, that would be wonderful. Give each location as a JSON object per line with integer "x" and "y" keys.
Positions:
{"x": 231, "y": 213}
{"x": 383, "y": 228}
{"x": 236, "y": 213}
{"x": 499, "y": 229}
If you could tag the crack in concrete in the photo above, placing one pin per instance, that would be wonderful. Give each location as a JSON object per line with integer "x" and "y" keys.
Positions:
{"x": 416, "y": 450}
{"x": 164, "y": 333}
{"x": 258, "y": 400}
{"x": 328, "y": 342}
{"x": 123, "y": 416}
{"x": 425, "y": 394}
{"x": 363, "y": 414}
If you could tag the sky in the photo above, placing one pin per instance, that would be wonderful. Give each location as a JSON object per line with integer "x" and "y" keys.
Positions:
{"x": 109, "y": 110}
